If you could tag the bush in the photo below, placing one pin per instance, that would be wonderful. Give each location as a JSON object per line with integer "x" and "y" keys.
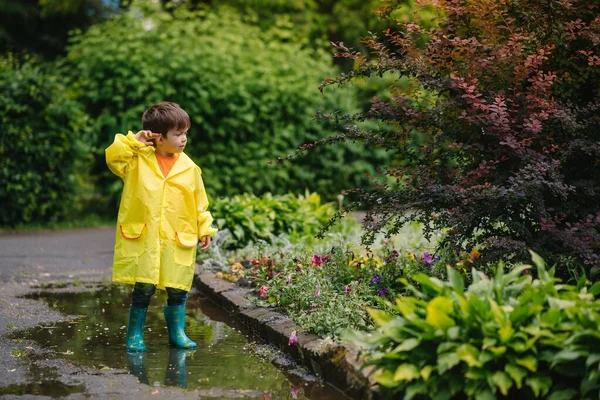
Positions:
{"x": 248, "y": 93}
{"x": 43, "y": 135}
{"x": 509, "y": 335}
{"x": 509, "y": 133}
{"x": 251, "y": 219}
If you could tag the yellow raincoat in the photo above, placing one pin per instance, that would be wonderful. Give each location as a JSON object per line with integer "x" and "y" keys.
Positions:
{"x": 160, "y": 219}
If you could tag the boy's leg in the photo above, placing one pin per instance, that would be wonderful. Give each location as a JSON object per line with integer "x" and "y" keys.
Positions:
{"x": 140, "y": 300}
{"x": 175, "y": 316}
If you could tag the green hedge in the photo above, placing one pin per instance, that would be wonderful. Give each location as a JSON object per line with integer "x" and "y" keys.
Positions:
{"x": 43, "y": 135}
{"x": 251, "y": 95}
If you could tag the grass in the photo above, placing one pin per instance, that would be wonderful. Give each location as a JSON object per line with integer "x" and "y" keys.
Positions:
{"x": 88, "y": 221}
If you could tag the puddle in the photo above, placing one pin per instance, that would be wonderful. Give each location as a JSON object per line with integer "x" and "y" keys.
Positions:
{"x": 225, "y": 364}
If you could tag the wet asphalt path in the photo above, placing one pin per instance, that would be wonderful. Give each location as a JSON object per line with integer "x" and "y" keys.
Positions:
{"x": 30, "y": 262}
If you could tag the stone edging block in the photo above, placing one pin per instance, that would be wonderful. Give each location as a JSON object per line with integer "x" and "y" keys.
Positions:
{"x": 336, "y": 364}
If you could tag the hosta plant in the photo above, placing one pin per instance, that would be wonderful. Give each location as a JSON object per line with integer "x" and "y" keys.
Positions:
{"x": 512, "y": 335}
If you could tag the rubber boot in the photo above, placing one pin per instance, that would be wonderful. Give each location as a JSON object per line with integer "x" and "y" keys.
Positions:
{"x": 175, "y": 317}
{"x": 176, "y": 373}
{"x": 135, "y": 329}
{"x": 137, "y": 366}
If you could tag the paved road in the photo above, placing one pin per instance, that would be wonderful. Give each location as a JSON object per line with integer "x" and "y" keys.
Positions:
{"x": 29, "y": 261}
{"x": 81, "y": 252}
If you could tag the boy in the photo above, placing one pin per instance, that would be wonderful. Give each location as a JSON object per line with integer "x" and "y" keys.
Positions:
{"x": 162, "y": 214}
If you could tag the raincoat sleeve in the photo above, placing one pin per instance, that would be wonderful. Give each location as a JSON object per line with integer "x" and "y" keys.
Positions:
{"x": 205, "y": 219}
{"x": 121, "y": 152}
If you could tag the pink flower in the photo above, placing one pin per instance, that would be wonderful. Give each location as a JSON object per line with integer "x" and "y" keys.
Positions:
{"x": 293, "y": 339}
{"x": 263, "y": 291}
{"x": 348, "y": 289}
{"x": 318, "y": 292}
{"x": 294, "y": 391}
{"x": 316, "y": 260}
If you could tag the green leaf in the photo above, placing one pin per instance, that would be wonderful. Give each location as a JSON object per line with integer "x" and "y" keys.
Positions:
{"x": 407, "y": 345}
{"x": 564, "y": 394}
{"x": 469, "y": 354}
{"x": 595, "y": 289}
{"x": 497, "y": 350}
{"x": 437, "y": 313}
{"x": 529, "y": 362}
{"x": 592, "y": 359}
{"x": 426, "y": 372}
{"x": 415, "y": 389}
{"x": 560, "y": 303}
{"x": 485, "y": 395}
{"x": 502, "y": 381}
{"x": 516, "y": 373}
{"x": 566, "y": 356}
{"x": 505, "y": 333}
{"x": 456, "y": 280}
{"x": 385, "y": 378}
{"x": 537, "y": 260}
{"x": 380, "y": 317}
{"x": 539, "y": 384}
{"x": 406, "y": 372}
{"x": 430, "y": 285}
{"x": 447, "y": 361}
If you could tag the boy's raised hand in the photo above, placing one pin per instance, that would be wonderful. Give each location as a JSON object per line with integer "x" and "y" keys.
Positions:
{"x": 147, "y": 137}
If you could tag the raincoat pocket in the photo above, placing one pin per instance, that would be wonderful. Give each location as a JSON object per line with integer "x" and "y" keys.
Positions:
{"x": 133, "y": 245}
{"x": 186, "y": 248}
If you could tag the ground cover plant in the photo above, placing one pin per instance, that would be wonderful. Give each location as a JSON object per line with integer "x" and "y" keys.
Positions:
{"x": 509, "y": 335}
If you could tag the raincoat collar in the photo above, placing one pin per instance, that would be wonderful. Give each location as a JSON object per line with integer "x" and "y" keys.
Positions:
{"x": 182, "y": 164}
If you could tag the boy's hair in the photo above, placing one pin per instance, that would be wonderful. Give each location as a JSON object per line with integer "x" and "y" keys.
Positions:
{"x": 164, "y": 116}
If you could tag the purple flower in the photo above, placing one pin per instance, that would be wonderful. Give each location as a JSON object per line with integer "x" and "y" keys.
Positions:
{"x": 293, "y": 339}
{"x": 395, "y": 253}
{"x": 427, "y": 257}
{"x": 381, "y": 292}
{"x": 376, "y": 279}
{"x": 348, "y": 289}
{"x": 436, "y": 259}
{"x": 318, "y": 292}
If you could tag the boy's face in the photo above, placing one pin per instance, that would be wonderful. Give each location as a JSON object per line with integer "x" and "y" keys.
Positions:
{"x": 174, "y": 142}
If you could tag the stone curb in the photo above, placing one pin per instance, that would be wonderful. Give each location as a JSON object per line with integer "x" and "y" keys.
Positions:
{"x": 336, "y": 364}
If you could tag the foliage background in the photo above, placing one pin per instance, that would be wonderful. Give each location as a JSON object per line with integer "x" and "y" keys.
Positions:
{"x": 42, "y": 145}
{"x": 249, "y": 80}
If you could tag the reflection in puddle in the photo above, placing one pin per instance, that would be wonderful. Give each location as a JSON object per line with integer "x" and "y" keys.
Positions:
{"x": 223, "y": 365}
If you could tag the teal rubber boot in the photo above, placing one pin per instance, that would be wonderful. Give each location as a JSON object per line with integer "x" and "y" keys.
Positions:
{"x": 175, "y": 317}
{"x": 137, "y": 366}
{"x": 135, "y": 329}
{"x": 175, "y": 374}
